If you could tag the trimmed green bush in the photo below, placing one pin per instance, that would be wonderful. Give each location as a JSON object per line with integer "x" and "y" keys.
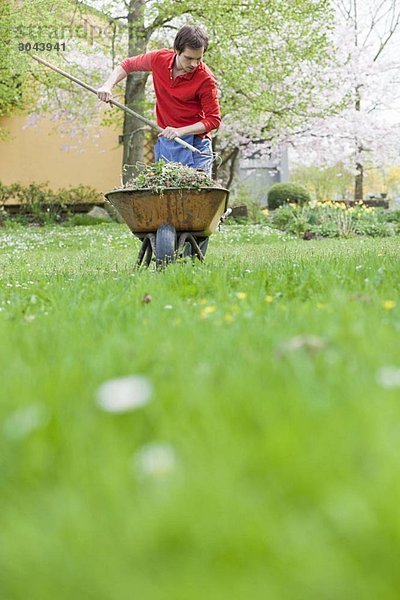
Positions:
{"x": 43, "y": 205}
{"x": 40, "y": 194}
{"x": 285, "y": 193}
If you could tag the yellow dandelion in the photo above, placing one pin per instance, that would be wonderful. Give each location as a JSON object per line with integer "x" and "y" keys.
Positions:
{"x": 207, "y": 310}
{"x": 228, "y": 318}
{"x": 269, "y": 298}
{"x": 203, "y": 301}
{"x": 241, "y": 295}
{"x": 389, "y": 304}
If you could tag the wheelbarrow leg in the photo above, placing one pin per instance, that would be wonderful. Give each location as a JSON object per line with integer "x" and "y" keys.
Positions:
{"x": 188, "y": 238}
{"x": 147, "y": 250}
{"x": 203, "y": 244}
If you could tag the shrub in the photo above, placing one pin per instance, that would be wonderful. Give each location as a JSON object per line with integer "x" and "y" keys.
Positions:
{"x": 43, "y": 205}
{"x": 39, "y": 194}
{"x": 79, "y": 219}
{"x": 285, "y": 193}
{"x": 335, "y": 219}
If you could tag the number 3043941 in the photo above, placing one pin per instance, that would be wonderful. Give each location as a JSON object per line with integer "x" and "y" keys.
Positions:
{"x": 41, "y": 46}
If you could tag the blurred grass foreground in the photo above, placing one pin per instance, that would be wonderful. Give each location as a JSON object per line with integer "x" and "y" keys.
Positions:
{"x": 226, "y": 430}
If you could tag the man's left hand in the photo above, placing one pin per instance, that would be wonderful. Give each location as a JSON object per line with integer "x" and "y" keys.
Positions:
{"x": 170, "y": 133}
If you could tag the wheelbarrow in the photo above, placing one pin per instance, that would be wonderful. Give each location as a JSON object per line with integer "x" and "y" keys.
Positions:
{"x": 171, "y": 224}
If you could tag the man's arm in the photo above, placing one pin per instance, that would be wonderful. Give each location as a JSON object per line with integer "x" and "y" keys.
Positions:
{"x": 212, "y": 115}
{"x": 104, "y": 93}
{"x": 142, "y": 62}
{"x": 210, "y": 105}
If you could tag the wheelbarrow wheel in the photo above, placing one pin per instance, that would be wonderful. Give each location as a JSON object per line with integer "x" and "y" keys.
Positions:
{"x": 165, "y": 245}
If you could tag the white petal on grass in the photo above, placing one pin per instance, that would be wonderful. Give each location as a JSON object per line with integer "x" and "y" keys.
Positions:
{"x": 124, "y": 394}
{"x": 157, "y": 460}
{"x": 24, "y": 421}
{"x": 388, "y": 377}
{"x": 310, "y": 343}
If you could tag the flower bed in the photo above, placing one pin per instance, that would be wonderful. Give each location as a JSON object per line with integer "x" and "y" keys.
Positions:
{"x": 335, "y": 219}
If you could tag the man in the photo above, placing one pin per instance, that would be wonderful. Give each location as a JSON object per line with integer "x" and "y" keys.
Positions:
{"x": 186, "y": 96}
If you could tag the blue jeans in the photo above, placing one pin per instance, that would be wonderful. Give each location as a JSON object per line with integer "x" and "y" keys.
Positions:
{"x": 170, "y": 151}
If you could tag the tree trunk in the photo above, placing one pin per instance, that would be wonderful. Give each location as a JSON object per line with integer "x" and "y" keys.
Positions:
{"x": 134, "y": 130}
{"x": 215, "y": 164}
{"x": 359, "y": 182}
{"x": 226, "y": 166}
{"x": 232, "y": 167}
{"x": 359, "y": 178}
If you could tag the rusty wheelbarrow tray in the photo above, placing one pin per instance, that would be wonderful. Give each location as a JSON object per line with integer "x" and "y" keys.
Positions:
{"x": 176, "y": 222}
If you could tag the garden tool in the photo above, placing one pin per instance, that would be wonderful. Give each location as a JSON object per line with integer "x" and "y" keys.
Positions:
{"x": 118, "y": 104}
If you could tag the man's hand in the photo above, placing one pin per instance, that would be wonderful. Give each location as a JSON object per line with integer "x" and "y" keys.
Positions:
{"x": 104, "y": 93}
{"x": 170, "y": 133}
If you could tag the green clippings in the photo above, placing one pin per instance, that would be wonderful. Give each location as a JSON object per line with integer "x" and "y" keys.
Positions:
{"x": 160, "y": 175}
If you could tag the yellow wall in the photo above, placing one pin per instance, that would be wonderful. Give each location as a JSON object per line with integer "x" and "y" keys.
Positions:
{"x": 34, "y": 154}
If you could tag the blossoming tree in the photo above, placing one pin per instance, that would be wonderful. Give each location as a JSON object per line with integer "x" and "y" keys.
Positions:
{"x": 366, "y": 71}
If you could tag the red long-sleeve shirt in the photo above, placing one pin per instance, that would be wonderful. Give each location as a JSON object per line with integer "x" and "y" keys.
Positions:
{"x": 182, "y": 101}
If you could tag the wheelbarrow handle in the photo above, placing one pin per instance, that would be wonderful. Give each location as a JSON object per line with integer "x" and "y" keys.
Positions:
{"x": 117, "y": 104}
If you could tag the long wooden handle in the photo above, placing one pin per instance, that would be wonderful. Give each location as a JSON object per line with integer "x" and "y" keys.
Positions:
{"x": 115, "y": 103}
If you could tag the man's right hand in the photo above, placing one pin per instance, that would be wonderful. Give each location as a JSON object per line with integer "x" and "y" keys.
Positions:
{"x": 104, "y": 93}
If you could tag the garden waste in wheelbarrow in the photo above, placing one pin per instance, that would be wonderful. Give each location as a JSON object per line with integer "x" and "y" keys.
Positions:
{"x": 171, "y": 223}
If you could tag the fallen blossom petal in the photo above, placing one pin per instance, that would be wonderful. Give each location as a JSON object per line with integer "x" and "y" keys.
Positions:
{"x": 388, "y": 377}
{"x": 311, "y": 343}
{"x": 156, "y": 460}
{"x": 124, "y": 394}
{"x": 24, "y": 421}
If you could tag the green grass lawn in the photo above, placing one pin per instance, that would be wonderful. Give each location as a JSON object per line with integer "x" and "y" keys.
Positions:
{"x": 266, "y": 461}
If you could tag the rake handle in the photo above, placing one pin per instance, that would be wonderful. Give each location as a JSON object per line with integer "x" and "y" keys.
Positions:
{"x": 115, "y": 103}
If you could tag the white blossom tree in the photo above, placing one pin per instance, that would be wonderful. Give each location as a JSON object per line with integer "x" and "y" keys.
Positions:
{"x": 367, "y": 74}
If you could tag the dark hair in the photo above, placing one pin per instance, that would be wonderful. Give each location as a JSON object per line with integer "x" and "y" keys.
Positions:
{"x": 192, "y": 36}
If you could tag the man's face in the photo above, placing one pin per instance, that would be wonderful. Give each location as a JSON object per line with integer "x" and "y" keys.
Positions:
{"x": 190, "y": 58}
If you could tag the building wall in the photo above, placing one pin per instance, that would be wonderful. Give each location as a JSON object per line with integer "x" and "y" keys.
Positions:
{"x": 258, "y": 175}
{"x": 35, "y": 154}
